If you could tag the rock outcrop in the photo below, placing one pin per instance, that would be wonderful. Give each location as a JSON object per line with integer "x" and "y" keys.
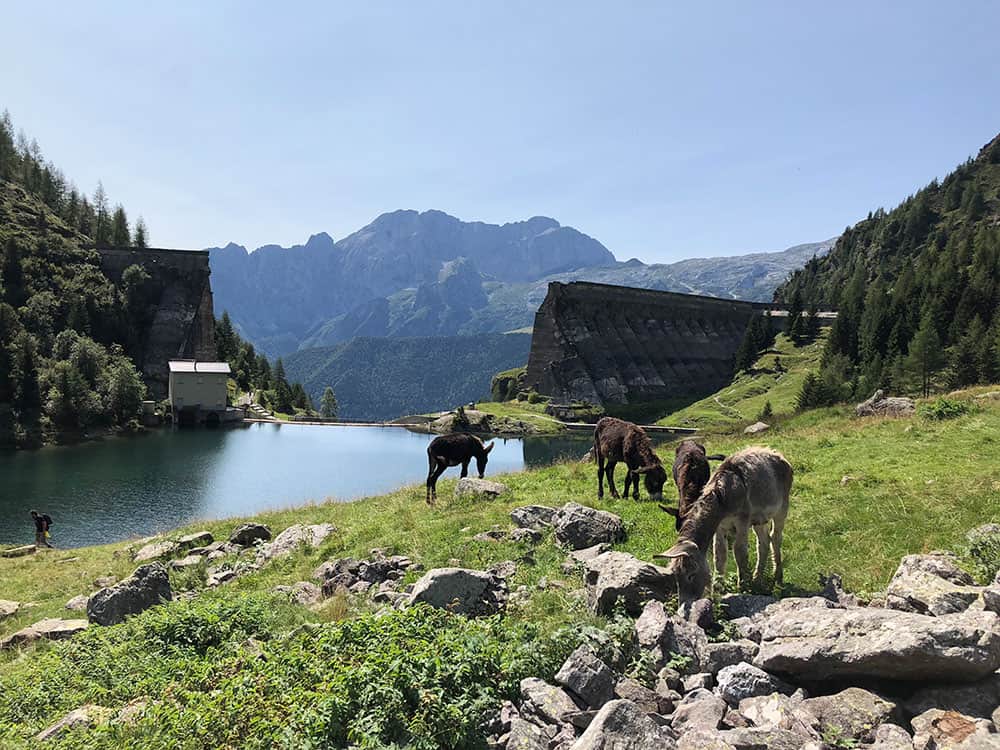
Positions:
{"x": 52, "y": 629}
{"x": 460, "y": 590}
{"x": 148, "y": 586}
{"x": 880, "y": 405}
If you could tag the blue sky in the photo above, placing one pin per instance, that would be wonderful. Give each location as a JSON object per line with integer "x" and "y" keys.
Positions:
{"x": 664, "y": 130}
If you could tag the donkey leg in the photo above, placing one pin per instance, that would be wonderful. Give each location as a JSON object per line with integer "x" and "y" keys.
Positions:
{"x": 776, "y": 533}
{"x": 762, "y": 531}
{"x": 438, "y": 471}
{"x": 609, "y": 472}
{"x": 600, "y": 476}
{"x": 465, "y": 467}
{"x": 741, "y": 551}
{"x": 720, "y": 548}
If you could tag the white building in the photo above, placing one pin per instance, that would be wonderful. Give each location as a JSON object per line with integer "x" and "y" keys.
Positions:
{"x": 197, "y": 390}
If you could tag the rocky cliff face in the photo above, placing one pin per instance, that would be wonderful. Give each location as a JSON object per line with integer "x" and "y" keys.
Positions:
{"x": 180, "y": 301}
{"x": 608, "y": 344}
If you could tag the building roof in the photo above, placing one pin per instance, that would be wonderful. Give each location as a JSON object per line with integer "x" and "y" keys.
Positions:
{"x": 190, "y": 365}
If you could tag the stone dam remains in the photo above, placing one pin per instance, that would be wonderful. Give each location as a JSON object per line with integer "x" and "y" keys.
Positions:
{"x": 180, "y": 321}
{"x": 610, "y": 344}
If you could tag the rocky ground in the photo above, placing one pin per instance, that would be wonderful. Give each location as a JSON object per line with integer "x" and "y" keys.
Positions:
{"x": 915, "y": 666}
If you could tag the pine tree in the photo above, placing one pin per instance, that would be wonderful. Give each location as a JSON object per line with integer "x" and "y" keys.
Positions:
{"x": 282, "y": 390}
{"x": 141, "y": 236}
{"x": 812, "y": 322}
{"x": 328, "y": 404}
{"x": 27, "y": 397}
{"x": 925, "y": 357}
{"x": 809, "y": 394}
{"x": 226, "y": 339}
{"x": 12, "y": 275}
{"x": 102, "y": 217}
{"x": 796, "y": 326}
{"x": 120, "y": 235}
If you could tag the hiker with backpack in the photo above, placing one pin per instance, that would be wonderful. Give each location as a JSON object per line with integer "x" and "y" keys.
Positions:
{"x": 42, "y": 523}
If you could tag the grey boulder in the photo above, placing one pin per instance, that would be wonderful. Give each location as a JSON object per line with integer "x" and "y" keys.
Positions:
{"x": 578, "y": 526}
{"x": 819, "y": 644}
{"x": 460, "y": 590}
{"x": 614, "y": 577}
{"x": 743, "y": 680}
{"x": 663, "y": 636}
{"x": 931, "y": 584}
{"x": 587, "y": 677}
{"x": 535, "y": 517}
{"x": 551, "y": 704}
{"x": 699, "y": 709}
{"x": 479, "y": 489}
{"x": 248, "y": 534}
{"x": 949, "y": 730}
{"x": 157, "y": 550}
{"x": 148, "y": 586}
{"x": 852, "y": 714}
{"x": 294, "y": 537}
{"x": 621, "y": 725}
{"x": 52, "y": 629}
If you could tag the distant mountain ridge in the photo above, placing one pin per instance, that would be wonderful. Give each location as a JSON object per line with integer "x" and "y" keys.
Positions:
{"x": 412, "y": 273}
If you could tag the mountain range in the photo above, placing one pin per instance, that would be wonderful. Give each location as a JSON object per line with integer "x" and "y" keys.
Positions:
{"x": 412, "y": 273}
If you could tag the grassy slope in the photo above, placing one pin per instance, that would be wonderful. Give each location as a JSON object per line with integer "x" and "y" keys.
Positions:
{"x": 533, "y": 414}
{"x": 914, "y": 485}
{"x": 741, "y": 402}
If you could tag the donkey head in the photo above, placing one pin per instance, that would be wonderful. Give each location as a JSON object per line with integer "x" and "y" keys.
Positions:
{"x": 482, "y": 458}
{"x": 689, "y": 569}
{"x": 654, "y": 476}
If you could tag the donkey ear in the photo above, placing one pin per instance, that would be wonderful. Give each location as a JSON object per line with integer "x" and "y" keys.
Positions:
{"x": 488, "y": 447}
{"x": 685, "y": 548}
{"x": 675, "y": 512}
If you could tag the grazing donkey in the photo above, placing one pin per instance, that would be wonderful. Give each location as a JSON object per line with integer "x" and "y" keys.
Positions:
{"x": 750, "y": 488}
{"x": 617, "y": 440}
{"x": 691, "y": 472}
{"x": 452, "y": 450}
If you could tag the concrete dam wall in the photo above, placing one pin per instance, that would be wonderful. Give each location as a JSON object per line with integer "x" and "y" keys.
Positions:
{"x": 610, "y": 344}
{"x": 180, "y": 320}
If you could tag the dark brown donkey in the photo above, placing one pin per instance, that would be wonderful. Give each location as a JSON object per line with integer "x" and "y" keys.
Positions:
{"x": 617, "y": 440}
{"x": 691, "y": 473}
{"x": 452, "y": 450}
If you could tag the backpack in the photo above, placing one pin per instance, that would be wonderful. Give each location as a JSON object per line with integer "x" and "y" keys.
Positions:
{"x": 47, "y": 518}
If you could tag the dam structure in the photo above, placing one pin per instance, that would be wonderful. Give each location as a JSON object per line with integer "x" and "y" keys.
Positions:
{"x": 618, "y": 345}
{"x": 177, "y": 319}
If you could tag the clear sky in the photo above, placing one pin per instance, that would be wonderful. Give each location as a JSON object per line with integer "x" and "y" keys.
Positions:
{"x": 665, "y": 130}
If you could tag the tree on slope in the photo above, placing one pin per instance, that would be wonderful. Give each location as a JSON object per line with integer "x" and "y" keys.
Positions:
{"x": 328, "y": 404}
{"x": 925, "y": 357}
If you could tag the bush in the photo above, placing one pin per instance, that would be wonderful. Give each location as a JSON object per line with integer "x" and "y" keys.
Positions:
{"x": 766, "y": 413}
{"x": 983, "y": 553}
{"x": 944, "y": 408}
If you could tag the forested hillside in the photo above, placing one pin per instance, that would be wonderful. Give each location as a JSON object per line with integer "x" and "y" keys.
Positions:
{"x": 384, "y": 378}
{"x": 917, "y": 290}
{"x": 65, "y": 329}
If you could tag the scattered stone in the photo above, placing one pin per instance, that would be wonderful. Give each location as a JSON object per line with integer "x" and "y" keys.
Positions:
{"x": 104, "y": 581}
{"x": 551, "y": 704}
{"x": 249, "y": 534}
{"x": 880, "y": 405}
{"x": 525, "y": 536}
{"x": 303, "y": 592}
{"x": 8, "y": 608}
{"x": 879, "y": 643}
{"x": 647, "y": 700}
{"x": 505, "y": 569}
{"x": 219, "y": 577}
{"x": 578, "y": 526}
{"x": 78, "y": 603}
{"x": 754, "y": 738}
{"x": 535, "y": 517}
{"x": 157, "y": 551}
{"x": 479, "y": 489}
{"x": 777, "y": 711}
{"x": 744, "y": 680}
{"x": 664, "y": 636}
{"x": 699, "y": 613}
{"x": 949, "y": 730}
{"x": 703, "y": 739}
{"x": 700, "y": 709}
{"x": 460, "y": 590}
{"x": 294, "y": 537}
{"x": 716, "y": 656}
{"x": 25, "y": 549}
{"x": 85, "y": 716}
{"x": 745, "y": 605}
{"x": 526, "y": 736}
{"x": 891, "y": 737}
{"x": 197, "y": 539}
{"x": 756, "y": 428}
{"x": 700, "y": 680}
{"x": 191, "y": 561}
{"x": 930, "y": 584}
{"x": 131, "y": 712}
{"x": 978, "y": 699}
{"x": 587, "y": 677}
{"x": 146, "y": 587}
{"x": 52, "y": 629}
{"x": 991, "y": 599}
{"x": 621, "y": 724}
{"x": 496, "y": 534}
{"x": 614, "y": 577}
{"x": 850, "y": 714}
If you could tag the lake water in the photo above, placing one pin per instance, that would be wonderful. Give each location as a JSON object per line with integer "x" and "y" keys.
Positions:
{"x": 124, "y": 487}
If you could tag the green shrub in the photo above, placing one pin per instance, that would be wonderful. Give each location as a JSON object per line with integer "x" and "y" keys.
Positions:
{"x": 944, "y": 408}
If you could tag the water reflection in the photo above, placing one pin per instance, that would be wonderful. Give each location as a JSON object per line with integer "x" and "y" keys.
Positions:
{"x": 119, "y": 488}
